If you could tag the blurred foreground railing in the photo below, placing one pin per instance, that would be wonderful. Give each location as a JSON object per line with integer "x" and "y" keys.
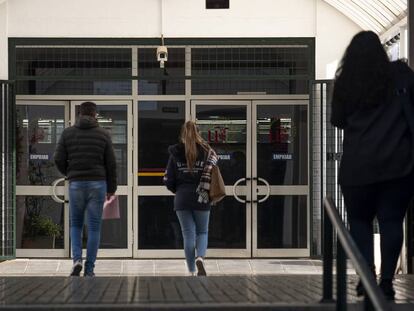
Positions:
{"x": 346, "y": 248}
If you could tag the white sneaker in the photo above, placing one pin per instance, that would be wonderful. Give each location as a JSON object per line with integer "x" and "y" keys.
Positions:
{"x": 193, "y": 274}
{"x": 76, "y": 268}
{"x": 200, "y": 266}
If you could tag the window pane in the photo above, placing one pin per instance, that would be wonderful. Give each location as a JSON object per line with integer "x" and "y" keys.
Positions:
{"x": 159, "y": 227}
{"x": 158, "y": 224}
{"x": 91, "y": 63}
{"x": 159, "y": 125}
{"x": 282, "y": 222}
{"x": 152, "y": 82}
{"x": 39, "y": 223}
{"x": 224, "y": 127}
{"x": 257, "y": 61}
{"x": 282, "y": 144}
{"x": 227, "y": 227}
{"x": 248, "y": 70}
{"x": 74, "y": 62}
{"x": 37, "y": 133}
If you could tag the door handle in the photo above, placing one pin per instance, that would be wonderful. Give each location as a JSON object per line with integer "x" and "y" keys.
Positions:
{"x": 234, "y": 190}
{"x": 268, "y": 190}
{"x": 54, "y": 195}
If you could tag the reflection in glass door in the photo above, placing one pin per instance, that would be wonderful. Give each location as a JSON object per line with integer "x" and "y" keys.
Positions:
{"x": 116, "y": 118}
{"x": 41, "y": 222}
{"x": 226, "y": 128}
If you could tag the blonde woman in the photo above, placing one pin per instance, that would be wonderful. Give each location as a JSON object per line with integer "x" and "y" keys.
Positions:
{"x": 187, "y": 176}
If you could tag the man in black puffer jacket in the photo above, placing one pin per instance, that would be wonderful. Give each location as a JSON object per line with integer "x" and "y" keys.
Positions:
{"x": 86, "y": 157}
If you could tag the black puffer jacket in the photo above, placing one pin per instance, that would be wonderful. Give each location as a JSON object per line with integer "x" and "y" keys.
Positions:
{"x": 183, "y": 182}
{"x": 85, "y": 152}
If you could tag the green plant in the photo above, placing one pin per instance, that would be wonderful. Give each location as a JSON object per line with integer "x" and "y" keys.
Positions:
{"x": 45, "y": 226}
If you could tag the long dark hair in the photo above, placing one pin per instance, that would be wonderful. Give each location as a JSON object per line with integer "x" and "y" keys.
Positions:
{"x": 363, "y": 77}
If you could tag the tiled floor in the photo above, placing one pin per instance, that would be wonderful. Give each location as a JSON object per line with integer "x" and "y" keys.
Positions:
{"x": 233, "y": 284}
{"x": 175, "y": 267}
{"x": 286, "y": 292}
{"x": 229, "y": 293}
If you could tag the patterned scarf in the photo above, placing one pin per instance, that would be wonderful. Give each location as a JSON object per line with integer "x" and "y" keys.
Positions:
{"x": 205, "y": 180}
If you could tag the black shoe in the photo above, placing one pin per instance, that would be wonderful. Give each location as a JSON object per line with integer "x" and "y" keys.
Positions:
{"x": 388, "y": 289}
{"x": 200, "y": 267}
{"x": 76, "y": 268}
{"x": 360, "y": 290}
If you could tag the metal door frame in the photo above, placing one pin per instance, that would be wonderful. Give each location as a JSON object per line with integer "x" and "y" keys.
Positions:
{"x": 156, "y": 190}
{"x": 241, "y": 190}
{"x": 123, "y": 189}
{"x": 28, "y": 190}
{"x": 277, "y": 190}
{"x": 251, "y": 184}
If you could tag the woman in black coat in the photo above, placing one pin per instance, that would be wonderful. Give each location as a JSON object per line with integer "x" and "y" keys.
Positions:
{"x": 376, "y": 172}
{"x": 182, "y": 177}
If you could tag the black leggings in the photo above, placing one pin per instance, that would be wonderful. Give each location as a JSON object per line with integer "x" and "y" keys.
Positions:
{"x": 388, "y": 201}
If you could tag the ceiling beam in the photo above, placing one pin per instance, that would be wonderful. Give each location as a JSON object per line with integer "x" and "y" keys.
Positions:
{"x": 376, "y": 15}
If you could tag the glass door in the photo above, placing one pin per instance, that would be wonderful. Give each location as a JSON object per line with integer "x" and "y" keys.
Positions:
{"x": 116, "y": 118}
{"x": 226, "y": 127}
{"x": 42, "y": 218}
{"x": 263, "y": 152}
{"x": 280, "y": 190}
{"x": 157, "y": 232}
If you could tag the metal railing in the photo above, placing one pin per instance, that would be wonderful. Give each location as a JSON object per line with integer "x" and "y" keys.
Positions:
{"x": 326, "y": 142}
{"x": 346, "y": 247}
{"x": 7, "y": 170}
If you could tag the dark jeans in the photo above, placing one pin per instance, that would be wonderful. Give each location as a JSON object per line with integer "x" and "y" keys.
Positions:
{"x": 89, "y": 197}
{"x": 388, "y": 201}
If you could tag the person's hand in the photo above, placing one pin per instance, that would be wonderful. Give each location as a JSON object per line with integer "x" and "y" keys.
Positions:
{"x": 108, "y": 195}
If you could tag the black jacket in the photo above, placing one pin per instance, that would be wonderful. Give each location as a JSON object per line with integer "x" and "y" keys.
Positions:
{"x": 378, "y": 141}
{"x": 85, "y": 152}
{"x": 183, "y": 182}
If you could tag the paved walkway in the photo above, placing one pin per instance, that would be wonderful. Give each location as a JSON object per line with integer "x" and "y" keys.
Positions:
{"x": 161, "y": 267}
{"x": 261, "y": 292}
{"x": 232, "y": 284}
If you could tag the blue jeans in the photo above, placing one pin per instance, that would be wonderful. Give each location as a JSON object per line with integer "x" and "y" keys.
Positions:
{"x": 86, "y": 196}
{"x": 194, "y": 227}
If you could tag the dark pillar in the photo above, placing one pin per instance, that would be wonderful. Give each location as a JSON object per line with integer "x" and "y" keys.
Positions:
{"x": 410, "y": 215}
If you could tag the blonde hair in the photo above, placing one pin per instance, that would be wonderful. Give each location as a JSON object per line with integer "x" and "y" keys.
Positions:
{"x": 190, "y": 137}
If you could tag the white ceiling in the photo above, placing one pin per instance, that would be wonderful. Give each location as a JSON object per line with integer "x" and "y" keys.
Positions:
{"x": 375, "y": 15}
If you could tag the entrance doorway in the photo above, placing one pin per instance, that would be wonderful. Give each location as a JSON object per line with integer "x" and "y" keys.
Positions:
{"x": 263, "y": 148}
{"x": 42, "y": 209}
{"x": 263, "y": 152}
